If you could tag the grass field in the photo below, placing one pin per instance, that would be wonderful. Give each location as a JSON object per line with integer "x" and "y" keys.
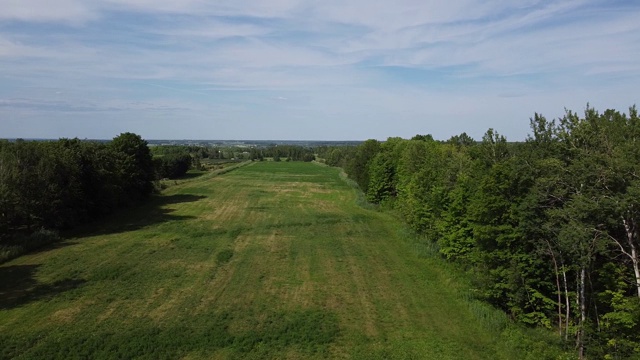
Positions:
{"x": 271, "y": 260}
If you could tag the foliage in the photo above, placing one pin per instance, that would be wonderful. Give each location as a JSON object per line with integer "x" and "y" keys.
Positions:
{"x": 224, "y": 256}
{"x": 277, "y": 152}
{"x": 550, "y": 227}
{"x": 172, "y": 166}
{"x": 60, "y": 184}
{"x": 21, "y": 244}
{"x": 134, "y": 165}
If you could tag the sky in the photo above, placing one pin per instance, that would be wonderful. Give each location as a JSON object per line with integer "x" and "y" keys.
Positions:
{"x": 310, "y": 70}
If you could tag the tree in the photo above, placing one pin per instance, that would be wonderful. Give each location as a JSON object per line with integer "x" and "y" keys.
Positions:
{"x": 358, "y": 166}
{"x": 172, "y": 166}
{"x": 134, "y": 166}
{"x": 382, "y": 178}
{"x": 462, "y": 140}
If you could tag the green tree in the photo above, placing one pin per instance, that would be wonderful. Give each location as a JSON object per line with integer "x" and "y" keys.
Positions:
{"x": 134, "y": 166}
{"x": 358, "y": 166}
{"x": 381, "y": 178}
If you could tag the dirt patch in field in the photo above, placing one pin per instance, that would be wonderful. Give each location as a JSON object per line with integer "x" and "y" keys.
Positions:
{"x": 68, "y": 315}
{"x": 346, "y": 292}
{"x": 241, "y": 242}
{"x": 215, "y": 287}
{"x": 277, "y": 243}
{"x": 227, "y": 211}
{"x": 111, "y": 308}
{"x": 319, "y": 189}
{"x": 366, "y": 306}
{"x": 305, "y": 188}
{"x": 301, "y": 294}
{"x": 171, "y": 304}
{"x": 324, "y": 205}
{"x": 157, "y": 293}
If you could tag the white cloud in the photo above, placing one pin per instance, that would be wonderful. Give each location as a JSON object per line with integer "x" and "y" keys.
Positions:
{"x": 68, "y": 11}
{"x": 213, "y": 30}
{"x": 13, "y": 49}
{"x": 327, "y": 59}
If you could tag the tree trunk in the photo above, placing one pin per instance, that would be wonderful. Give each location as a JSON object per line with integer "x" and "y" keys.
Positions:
{"x": 636, "y": 268}
{"x": 557, "y": 273}
{"x": 595, "y": 303}
{"x": 630, "y": 229}
{"x": 580, "y": 299}
{"x": 567, "y": 304}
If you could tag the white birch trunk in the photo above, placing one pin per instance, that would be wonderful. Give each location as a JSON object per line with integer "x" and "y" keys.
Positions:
{"x": 559, "y": 291}
{"x": 630, "y": 229}
{"x": 567, "y": 304}
{"x": 583, "y": 314}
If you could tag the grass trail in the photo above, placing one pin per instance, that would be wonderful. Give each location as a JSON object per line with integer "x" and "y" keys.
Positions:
{"x": 271, "y": 260}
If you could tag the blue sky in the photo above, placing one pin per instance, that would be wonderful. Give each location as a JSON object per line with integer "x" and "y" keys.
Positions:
{"x": 316, "y": 70}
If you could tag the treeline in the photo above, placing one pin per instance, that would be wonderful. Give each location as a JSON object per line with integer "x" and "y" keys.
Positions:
{"x": 56, "y": 185}
{"x": 196, "y": 151}
{"x": 173, "y": 161}
{"x": 548, "y": 227}
{"x": 283, "y": 152}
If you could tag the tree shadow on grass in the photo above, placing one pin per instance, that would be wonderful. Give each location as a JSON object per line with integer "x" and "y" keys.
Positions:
{"x": 53, "y": 246}
{"x": 18, "y": 286}
{"x": 153, "y": 211}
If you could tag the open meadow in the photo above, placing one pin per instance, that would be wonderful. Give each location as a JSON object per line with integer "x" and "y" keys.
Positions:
{"x": 271, "y": 260}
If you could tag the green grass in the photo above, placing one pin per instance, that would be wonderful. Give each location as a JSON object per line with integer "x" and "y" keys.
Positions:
{"x": 271, "y": 260}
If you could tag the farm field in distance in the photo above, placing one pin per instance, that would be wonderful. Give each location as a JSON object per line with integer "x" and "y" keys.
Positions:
{"x": 271, "y": 260}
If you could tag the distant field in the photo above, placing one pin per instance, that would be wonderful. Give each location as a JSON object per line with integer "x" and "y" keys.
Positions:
{"x": 271, "y": 260}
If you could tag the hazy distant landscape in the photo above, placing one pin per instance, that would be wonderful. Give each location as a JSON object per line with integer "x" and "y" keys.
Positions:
{"x": 239, "y": 143}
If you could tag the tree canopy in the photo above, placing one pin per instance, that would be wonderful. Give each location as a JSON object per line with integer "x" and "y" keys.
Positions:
{"x": 59, "y": 184}
{"x": 549, "y": 226}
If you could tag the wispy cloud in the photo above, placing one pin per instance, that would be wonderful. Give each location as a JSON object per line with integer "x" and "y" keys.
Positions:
{"x": 75, "y": 106}
{"x": 66, "y": 11}
{"x": 355, "y": 64}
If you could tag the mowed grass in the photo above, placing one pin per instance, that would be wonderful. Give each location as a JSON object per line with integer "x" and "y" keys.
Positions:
{"x": 271, "y": 260}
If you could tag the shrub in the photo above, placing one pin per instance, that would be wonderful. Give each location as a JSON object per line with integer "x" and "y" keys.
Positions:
{"x": 224, "y": 256}
{"x": 23, "y": 244}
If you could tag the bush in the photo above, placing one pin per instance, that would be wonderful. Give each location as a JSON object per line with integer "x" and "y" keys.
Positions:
{"x": 224, "y": 256}
{"x": 23, "y": 244}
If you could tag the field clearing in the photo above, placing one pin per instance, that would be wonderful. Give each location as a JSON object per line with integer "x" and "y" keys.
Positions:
{"x": 271, "y": 260}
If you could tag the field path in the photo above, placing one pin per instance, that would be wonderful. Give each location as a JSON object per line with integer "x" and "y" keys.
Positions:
{"x": 271, "y": 260}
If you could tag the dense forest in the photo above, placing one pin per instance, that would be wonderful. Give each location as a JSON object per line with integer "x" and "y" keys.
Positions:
{"x": 548, "y": 227}
{"x": 52, "y": 185}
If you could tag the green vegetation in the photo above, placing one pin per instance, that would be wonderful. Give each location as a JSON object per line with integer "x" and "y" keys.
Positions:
{"x": 171, "y": 165}
{"x": 283, "y": 259}
{"x": 55, "y": 185}
{"x": 288, "y": 152}
{"x": 549, "y": 228}
{"x": 173, "y": 161}
{"x": 270, "y": 260}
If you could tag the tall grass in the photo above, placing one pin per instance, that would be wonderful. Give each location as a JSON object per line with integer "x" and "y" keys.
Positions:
{"x": 361, "y": 199}
{"x": 512, "y": 341}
